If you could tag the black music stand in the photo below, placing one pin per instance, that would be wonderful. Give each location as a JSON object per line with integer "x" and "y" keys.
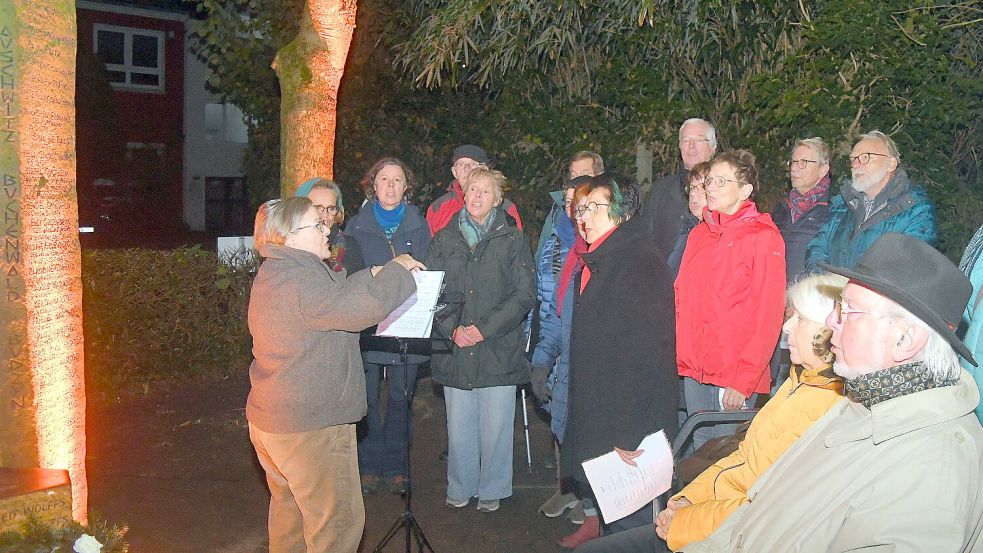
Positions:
{"x": 407, "y": 519}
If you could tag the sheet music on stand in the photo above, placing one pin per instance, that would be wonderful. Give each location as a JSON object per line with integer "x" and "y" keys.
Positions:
{"x": 414, "y": 318}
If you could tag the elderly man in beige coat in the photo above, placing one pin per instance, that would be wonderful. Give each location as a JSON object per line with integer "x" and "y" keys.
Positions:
{"x": 896, "y": 466}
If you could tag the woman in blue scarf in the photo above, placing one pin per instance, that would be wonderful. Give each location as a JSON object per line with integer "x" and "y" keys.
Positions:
{"x": 386, "y": 227}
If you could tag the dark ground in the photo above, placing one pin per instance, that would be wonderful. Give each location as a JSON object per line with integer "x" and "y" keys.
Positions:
{"x": 178, "y": 468}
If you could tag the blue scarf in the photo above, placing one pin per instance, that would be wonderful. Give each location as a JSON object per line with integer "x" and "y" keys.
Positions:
{"x": 389, "y": 219}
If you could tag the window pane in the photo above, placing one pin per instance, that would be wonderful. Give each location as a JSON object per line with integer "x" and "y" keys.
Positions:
{"x": 116, "y": 76}
{"x": 109, "y": 45}
{"x": 213, "y": 121}
{"x": 144, "y": 79}
{"x": 145, "y": 51}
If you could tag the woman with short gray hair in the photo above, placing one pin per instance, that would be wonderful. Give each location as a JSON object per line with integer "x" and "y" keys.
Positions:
{"x": 307, "y": 387}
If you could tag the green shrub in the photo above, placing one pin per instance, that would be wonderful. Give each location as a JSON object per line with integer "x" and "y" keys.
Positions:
{"x": 154, "y": 317}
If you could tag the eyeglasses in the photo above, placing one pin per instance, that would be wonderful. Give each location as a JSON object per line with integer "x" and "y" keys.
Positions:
{"x": 696, "y": 189}
{"x": 591, "y": 208}
{"x": 800, "y": 163}
{"x": 467, "y": 165}
{"x": 318, "y": 226}
{"x": 330, "y": 209}
{"x": 864, "y": 158}
{"x": 693, "y": 141}
{"x": 843, "y": 310}
{"x": 721, "y": 182}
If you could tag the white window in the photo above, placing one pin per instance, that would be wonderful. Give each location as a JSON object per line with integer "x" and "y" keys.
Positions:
{"x": 224, "y": 122}
{"x": 134, "y": 58}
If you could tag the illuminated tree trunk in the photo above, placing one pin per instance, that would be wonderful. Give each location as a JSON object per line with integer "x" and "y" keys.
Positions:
{"x": 42, "y": 395}
{"x": 310, "y": 69}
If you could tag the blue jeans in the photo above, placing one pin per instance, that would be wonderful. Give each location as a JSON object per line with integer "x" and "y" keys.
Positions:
{"x": 382, "y": 452}
{"x": 480, "y": 425}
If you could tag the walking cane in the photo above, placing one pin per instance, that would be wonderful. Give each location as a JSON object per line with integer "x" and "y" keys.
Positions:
{"x": 525, "y": 425}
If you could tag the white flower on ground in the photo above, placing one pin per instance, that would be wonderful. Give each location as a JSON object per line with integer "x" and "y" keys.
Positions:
{"x": 87, "y": 544}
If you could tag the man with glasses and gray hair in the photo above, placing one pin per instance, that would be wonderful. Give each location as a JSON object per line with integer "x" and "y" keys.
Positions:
{"x": 668, "y": 202}
{"x": 896, "y": 465}
{"x": 806, "y": 208}
{"x": 880, "y": 198}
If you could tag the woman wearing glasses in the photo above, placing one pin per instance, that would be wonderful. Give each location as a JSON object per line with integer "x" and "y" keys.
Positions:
{"x": 729, "y": 296}
{"x": 326, "y": 197}
{"x": 623, "y": 383}
{"x": 697, "y": 200}
{"x": 806, "y": 208}
{"x": 307, "y": 387}
{"x": 386, "y": 226}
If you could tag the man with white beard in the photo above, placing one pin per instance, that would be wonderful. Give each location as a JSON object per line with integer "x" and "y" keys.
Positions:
{"x": 879, "y": 199}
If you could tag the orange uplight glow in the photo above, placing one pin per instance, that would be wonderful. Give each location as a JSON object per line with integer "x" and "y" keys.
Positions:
{"x": 310, "y": 70}
{"x": 45, "y": 253}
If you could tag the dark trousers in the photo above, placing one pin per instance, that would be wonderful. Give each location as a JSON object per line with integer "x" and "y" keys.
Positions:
{"x": 641, "y": 539}
{"x": 382, "y": 452}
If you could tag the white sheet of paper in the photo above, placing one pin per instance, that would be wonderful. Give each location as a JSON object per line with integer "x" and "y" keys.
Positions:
{"x": 622, "y": 489}
{"x": 414, "y": 318}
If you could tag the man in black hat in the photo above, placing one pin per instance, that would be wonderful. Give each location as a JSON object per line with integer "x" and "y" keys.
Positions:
{"x": 897, "y": 465}
{"x": 466, "y": 158}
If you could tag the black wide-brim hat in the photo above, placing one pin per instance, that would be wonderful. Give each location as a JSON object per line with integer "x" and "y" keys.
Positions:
{"x": 919, "y": 278}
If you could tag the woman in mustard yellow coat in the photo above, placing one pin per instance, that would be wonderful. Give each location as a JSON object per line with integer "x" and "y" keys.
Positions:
{"x": 812, "y": 388}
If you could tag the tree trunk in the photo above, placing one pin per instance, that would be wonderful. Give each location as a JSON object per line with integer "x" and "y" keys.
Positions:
{"x": 42, "y": 394}
{"x": 310, "y": 69}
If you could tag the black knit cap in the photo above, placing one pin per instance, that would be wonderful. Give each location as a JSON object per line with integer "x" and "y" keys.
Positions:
{"x": 470, "y": 151}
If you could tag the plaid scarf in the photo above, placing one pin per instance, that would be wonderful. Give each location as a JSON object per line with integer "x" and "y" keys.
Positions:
{"x": 873, "y": 388}
{"x": 799, "y": 204}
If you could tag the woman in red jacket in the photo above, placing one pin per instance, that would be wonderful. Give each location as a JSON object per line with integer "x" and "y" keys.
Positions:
{"x": 729, "y": 296}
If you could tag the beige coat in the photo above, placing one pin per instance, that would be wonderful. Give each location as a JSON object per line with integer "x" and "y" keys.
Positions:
{"x": 901, "y": 477}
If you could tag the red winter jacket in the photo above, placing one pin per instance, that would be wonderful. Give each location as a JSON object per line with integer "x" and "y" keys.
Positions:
{"x": 444, "y": 208}
{"x": 730, "y": 298}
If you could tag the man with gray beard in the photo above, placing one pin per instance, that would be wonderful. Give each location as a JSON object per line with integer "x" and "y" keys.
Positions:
{"x": 879, "y": 199}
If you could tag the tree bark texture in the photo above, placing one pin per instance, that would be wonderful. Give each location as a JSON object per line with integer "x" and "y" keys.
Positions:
{"x": 309, "y": 69}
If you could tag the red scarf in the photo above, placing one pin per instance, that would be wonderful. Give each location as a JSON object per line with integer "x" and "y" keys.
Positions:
{"x": 571, "y": 265}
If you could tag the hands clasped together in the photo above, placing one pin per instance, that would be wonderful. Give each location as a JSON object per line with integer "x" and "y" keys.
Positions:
{"x": 467, "y": 336}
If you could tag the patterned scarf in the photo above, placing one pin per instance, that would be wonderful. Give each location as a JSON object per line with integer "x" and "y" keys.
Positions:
{"x": 389, "y": 219}
{"x": 472, "y": 230}
{"x": 873, "y": 388}
{"x": 799, "y": 204}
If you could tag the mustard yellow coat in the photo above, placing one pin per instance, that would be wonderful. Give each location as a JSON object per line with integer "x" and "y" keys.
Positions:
{"x": 722, "y": 488}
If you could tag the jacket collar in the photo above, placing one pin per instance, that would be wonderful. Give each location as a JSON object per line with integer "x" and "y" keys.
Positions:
{"x": 905, "y": 414}
{"x": 718, "y": 222}
{"x": 626, "y": 238}
{"x": 365, "y": 220}
{"x": 292, "y": 255}
{"x": 899, "y": 185}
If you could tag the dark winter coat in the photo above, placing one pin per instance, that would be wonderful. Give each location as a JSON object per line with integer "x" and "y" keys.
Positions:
{"x": 367, "y": 246}
{"x": 666, "y": 209}
{"x": 902, "y": 207}
{"x": 797, "y": 235}
{"x": 412, "y": 237}
{"x": 498, "y": 283}
{"x": 623, "y": 383}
